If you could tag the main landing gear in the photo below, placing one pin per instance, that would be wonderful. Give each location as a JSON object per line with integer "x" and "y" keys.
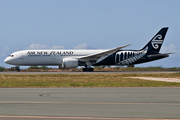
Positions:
{"x": 88, "y": 69}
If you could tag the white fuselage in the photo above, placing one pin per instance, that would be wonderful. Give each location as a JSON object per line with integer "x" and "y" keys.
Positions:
{"x": 45, "y": 57}
{"x": 88, "y": 58}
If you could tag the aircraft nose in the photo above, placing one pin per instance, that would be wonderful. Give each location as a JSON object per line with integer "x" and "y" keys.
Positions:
{"x": 9, "y": 60}
{"x": 6, "y": 60}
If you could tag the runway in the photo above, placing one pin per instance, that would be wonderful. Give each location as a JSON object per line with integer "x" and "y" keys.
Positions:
{"x": 89, "y": 103}
{"x": 95, "y": 72}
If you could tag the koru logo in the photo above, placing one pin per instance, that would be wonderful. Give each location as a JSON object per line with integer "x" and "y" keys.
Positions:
{"x": 156, "y": 41}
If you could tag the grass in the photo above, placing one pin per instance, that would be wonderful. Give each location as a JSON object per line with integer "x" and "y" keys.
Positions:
{"x": 84, "y": 80}
{"x": 96, "y": 68}
{"x": 158, "y": 68}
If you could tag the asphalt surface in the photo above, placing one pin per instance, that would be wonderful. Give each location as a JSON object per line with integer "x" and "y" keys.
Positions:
{"x": 95, "y": 72}
{"x": 89, "y": 103}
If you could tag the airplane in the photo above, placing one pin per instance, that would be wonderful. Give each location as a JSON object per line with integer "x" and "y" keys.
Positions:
{"x": 88, "y": 58}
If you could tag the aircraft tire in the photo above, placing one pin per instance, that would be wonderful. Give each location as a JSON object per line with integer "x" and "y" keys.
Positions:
{"x": 18, "y": 69}
{"x": 88, "y": 69}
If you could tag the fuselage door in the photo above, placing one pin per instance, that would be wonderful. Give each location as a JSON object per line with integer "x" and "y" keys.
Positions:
{"x": 21, "y": 57}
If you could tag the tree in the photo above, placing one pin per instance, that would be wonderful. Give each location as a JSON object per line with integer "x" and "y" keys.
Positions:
{"x": 43, "y": 67}
{"x": 131, "y": 65}
{"x": 1, "y": 69}
{"x": 33, "y": 67}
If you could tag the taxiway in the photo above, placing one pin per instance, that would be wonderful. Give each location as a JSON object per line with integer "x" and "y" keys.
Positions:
{"x": 83, "y": 103}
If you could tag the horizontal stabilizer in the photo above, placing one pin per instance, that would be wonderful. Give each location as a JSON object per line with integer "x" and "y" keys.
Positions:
{"x": 158, "y": 55}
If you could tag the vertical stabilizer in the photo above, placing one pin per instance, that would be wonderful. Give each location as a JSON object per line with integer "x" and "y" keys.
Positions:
{"x": 154, "y": 45}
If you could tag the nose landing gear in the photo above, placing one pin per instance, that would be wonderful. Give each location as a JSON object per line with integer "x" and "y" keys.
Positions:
{"x": 17, "y": 68}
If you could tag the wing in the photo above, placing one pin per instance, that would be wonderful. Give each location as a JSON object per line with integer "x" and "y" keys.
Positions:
{"x": 97, "y": 56}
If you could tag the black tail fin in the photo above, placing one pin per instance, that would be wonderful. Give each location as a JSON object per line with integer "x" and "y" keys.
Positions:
{"x": 154, "y": 45}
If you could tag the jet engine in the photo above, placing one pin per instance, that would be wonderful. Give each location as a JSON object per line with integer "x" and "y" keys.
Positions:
{"x": 69, "y": 63}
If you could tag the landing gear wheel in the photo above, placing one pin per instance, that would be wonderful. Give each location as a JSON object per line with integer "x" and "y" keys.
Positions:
{"x": 18, "y": 69}
{"x": 84, "y": 69}
{"x": 88, "y": 69}
{"x": 91, "y": 69}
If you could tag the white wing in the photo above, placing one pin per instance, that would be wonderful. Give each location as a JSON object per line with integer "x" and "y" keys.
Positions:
{"x": 95, "y": 57}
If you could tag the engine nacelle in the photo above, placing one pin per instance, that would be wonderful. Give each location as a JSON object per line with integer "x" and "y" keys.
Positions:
{"x": 69, "y": 63}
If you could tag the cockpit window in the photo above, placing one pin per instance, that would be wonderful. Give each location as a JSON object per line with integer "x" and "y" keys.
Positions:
{"x": 11, "y": 55}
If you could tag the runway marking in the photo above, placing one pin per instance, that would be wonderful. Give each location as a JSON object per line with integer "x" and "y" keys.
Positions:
{"x": 29, "y": 102}
{"x": 84, "y": 118}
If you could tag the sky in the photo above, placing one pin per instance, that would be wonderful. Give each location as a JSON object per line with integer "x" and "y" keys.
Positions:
{"x": 89, "y": 24}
